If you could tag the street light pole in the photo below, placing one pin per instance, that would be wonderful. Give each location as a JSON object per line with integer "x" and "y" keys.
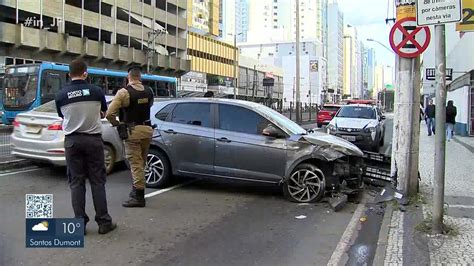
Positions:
{"x": 298, "y": 102}
{"x": 235, "y": 66}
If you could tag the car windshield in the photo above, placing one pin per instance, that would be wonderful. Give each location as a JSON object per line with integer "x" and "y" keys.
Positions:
{"x": 282, "y": 120}
{"x": 20, "y": 90}
{"x": 357, "y": 112}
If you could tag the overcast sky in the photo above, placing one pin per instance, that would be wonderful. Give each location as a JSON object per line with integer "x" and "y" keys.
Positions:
{"x": 368, "y": 16}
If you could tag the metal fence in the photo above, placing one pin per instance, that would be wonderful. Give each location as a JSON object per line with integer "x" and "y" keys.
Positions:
{"x": 308, "y": 114}
{"x": 5, "y": 147}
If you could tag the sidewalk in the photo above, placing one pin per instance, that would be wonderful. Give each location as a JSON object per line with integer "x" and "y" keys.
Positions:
{"x": 405, "y": 244}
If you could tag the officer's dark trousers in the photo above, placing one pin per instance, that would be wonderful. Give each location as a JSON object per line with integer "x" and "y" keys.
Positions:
{"x": 85, "y": 159}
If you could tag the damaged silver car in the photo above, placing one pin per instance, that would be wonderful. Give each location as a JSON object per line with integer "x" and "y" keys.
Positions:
{"x": 240, "y": 140}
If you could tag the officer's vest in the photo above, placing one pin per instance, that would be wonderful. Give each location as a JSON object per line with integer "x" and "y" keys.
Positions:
{"x": 139, "y": 109}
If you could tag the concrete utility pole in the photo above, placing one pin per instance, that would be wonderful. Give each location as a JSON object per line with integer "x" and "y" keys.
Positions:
{"x": 298, "y": 101}
{"x": 440, "y": 138}
{"x": 406, "y": 130}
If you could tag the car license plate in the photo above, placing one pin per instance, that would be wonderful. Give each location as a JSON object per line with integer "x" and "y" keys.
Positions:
{"x": 33, "y": 129}
{"x": 349, "y": 138}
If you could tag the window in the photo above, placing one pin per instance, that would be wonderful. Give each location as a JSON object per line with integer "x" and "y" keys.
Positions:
{"x": 114, "y": 84}
{"x": 50, "y": 85}
{"x": 239, "y": 119}
{"x": 150, "y": 84}
{"x": 163, "y": 113}
{"x": 198, "y": 114}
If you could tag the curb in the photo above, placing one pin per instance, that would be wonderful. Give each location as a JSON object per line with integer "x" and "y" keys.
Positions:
{"x": 14, "y": 164}
{"x": 382, "y": 242}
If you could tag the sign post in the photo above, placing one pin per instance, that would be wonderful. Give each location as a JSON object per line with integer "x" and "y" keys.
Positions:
{"x": 408, "y": 41}
{"x": 439, "y": 12}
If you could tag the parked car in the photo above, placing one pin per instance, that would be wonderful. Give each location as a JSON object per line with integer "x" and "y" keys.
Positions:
{"x": 363, "y": 125}
{"x": 240, "y": 140}
{"x": 326, "y": 114}
{"x": 38, "y": 135}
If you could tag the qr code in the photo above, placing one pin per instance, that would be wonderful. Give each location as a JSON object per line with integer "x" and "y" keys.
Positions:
{"x": 39, "y": 206}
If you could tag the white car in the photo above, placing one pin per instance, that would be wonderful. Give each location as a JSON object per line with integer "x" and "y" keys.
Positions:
{"x": 363, "y": 125}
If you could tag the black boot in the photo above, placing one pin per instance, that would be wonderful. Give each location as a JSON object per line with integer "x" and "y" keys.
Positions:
{"x": 137, "y": 199}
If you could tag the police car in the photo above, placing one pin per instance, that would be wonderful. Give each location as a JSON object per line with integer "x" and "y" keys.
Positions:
{"x": 361, "y": 124}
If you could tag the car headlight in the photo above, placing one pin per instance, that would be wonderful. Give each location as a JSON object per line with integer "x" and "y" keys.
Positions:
{"x": 331, "y": 128}
{"x": 370, "y": 129}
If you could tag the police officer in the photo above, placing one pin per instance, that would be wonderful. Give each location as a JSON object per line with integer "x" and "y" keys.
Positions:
{"x": 81, "y": 106}
{"x": 134, "y": 103}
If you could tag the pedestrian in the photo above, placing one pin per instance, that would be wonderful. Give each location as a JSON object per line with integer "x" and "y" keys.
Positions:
{"x": 451, "y": 113}
{"x": 430, "y": 113}
{"x": 134, "y": 103}
{"x": 82, "y": 105}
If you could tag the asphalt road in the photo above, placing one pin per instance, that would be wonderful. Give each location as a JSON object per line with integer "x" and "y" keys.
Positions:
{"x": 201, "y": 223}
{"x": 198, "y": 222}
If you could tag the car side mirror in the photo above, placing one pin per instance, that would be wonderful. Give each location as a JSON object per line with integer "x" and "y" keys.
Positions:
{"x": 272, "y": 131}
{"x": 382, "y": 117}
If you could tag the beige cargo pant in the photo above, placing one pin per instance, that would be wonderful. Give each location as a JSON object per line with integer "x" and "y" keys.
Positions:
{"x": 136, "y": 151}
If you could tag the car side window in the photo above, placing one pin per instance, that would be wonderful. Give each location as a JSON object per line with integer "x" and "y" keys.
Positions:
{"x": 164, "y": 112}
{"x": 197, "y": 114}
{"x": 239, "y": 119}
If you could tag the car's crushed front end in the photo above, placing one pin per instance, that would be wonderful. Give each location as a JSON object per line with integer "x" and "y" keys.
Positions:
{"x": 341, "y": 161}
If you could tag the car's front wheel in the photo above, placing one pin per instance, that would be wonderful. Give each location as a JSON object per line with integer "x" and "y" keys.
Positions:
{"x": 305, "y": 184}
{"x": 157, "y": 169}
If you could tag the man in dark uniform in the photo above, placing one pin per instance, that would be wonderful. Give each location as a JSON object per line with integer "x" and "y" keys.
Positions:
{"x": 134, "y": 103}
{"x": 82, "y": 106}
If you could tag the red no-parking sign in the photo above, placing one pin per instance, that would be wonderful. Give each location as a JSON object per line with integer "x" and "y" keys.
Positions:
{"x": 409, "y": 40}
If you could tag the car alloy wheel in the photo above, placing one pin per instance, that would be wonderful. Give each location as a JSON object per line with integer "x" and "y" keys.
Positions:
{"x": 109, "y": 158}
{"x": 306, "y": 184}
{"x": 156, "y": 169}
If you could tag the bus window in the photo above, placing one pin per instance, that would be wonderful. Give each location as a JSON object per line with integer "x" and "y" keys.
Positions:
{"x": 98, "y": 81}
{"x": 162, "y": 89}
{"x": 114, "y": 84}
{"x": 50, "y": 85}
{"x": 150, "y": 84}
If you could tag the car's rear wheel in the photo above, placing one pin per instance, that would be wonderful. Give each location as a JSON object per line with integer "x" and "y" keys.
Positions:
{"x": 157, "y": 169}
{"x": 109, "y": 158}
{"x": 305, "y": 184}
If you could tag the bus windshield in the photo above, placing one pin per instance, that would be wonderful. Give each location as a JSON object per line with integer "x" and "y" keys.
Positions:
{"x": 20, "y": 87}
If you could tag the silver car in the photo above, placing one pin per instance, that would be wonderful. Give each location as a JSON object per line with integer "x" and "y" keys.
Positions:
{"x": 240, "y": 140}
{"x": 38, "y": 135}
{"x": 363, "y": 125}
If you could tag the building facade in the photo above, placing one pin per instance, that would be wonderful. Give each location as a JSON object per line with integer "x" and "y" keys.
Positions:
{"x": 335, "y": 50}
{"x": 371, "y": 69}
{"x": 352, "y": 77}
{"x": 282, "y": 54}
{"x": 105, "y": 33}
{"x": 275, "y": 20}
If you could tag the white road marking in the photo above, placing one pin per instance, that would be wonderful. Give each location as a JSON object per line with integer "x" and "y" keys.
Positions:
{"x": 19, "y": 172}
{"x": 460, "y": 206}
{"x": 161, "y": 191}
{"x": 343, "y": 245}
{"x": 2, "y": 145}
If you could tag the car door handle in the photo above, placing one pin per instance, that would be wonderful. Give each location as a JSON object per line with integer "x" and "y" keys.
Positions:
{"x": 226, "y": 140}
{"x": 170, "y": 131}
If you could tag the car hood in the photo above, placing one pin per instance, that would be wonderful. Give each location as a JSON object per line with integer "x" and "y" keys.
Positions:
{"x": 330, "y": 147}
{"x": 353, "y": 122}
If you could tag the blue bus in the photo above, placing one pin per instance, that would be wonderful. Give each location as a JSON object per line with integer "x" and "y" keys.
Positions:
{"x": 28, "y": 86}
